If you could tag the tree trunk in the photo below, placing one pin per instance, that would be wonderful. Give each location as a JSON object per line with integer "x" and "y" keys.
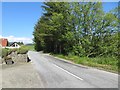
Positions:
{"x": 60, "y": 49}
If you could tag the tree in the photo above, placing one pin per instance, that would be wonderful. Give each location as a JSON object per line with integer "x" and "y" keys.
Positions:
{"x": 82, "y": 28}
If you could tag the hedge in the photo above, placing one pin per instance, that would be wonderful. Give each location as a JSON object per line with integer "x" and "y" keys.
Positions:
{"x": 22, "y": 50}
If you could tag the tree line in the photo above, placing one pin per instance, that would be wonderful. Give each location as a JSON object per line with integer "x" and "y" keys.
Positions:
{"x": 79, "y": 28}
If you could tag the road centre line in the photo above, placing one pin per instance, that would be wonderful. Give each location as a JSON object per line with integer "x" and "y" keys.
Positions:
{"x": 67, "y": 72}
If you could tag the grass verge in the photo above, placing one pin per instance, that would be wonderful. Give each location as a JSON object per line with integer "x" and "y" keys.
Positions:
{"x": 29, "y": 47}
{"x": 104, "y": 63}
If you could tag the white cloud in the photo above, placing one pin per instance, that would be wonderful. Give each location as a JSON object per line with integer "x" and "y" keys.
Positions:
{"x": 25, "y": 40}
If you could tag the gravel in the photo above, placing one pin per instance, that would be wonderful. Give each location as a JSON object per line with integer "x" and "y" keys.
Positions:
{"x": 21, "y": 75}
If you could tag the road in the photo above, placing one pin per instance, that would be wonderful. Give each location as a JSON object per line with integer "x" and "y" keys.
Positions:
{"x": 56, "y": 73}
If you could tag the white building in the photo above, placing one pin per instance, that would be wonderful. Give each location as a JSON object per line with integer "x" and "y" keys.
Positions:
{"x": 14, "y": 45}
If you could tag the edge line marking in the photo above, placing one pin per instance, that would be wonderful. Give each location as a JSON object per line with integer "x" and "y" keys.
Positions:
{"x": 68, "y": 72}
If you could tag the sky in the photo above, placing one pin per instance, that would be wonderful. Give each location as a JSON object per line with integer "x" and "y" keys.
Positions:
{"x": 19, "y": 19}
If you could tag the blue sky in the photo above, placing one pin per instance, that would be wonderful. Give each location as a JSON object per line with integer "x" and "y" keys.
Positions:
{"x": 19, "y": 18}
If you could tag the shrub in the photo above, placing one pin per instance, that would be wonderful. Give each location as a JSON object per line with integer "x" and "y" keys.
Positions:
{"x": 12, "y": 50}
{"x": 4, "y": 52}
{"x": 22, "y": 51}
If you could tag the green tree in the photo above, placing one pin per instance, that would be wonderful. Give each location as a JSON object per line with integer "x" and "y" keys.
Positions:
{"x": 81, "y": 28}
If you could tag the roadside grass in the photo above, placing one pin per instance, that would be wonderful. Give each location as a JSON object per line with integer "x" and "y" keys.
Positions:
{"x": 22, "y": 50}
{"x": 28, "y": 47}
{"x": 104, "y": 63}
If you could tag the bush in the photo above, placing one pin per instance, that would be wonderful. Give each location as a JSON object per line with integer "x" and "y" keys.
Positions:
{"x": 22, "y": 51}
{"x": 4, "y": 52}
{"x": 12, "y": 50}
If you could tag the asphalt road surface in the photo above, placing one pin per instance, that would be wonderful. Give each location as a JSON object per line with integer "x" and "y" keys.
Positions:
{"x": 55, "y": 73}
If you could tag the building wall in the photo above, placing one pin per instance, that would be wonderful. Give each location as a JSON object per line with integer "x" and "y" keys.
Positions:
{"x": 3, "y": 42}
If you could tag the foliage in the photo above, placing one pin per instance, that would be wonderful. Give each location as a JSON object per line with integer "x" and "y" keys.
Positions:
{"x": 20, "y": 43}
{"x": 22, "y": 50}
{"x": 12, "y": 50}
{"x": 106, "y": 63}
{"x": 28, "y": 47}
{"x": 4, "y": 52}
{"x": 79, "y": 28}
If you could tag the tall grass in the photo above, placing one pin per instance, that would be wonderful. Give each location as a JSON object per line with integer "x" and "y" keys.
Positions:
{"x": 29, "y": 47}
{"x": 106, "y": 63}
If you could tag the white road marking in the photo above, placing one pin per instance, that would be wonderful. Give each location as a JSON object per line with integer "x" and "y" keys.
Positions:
{"x": 68, "y": 72}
